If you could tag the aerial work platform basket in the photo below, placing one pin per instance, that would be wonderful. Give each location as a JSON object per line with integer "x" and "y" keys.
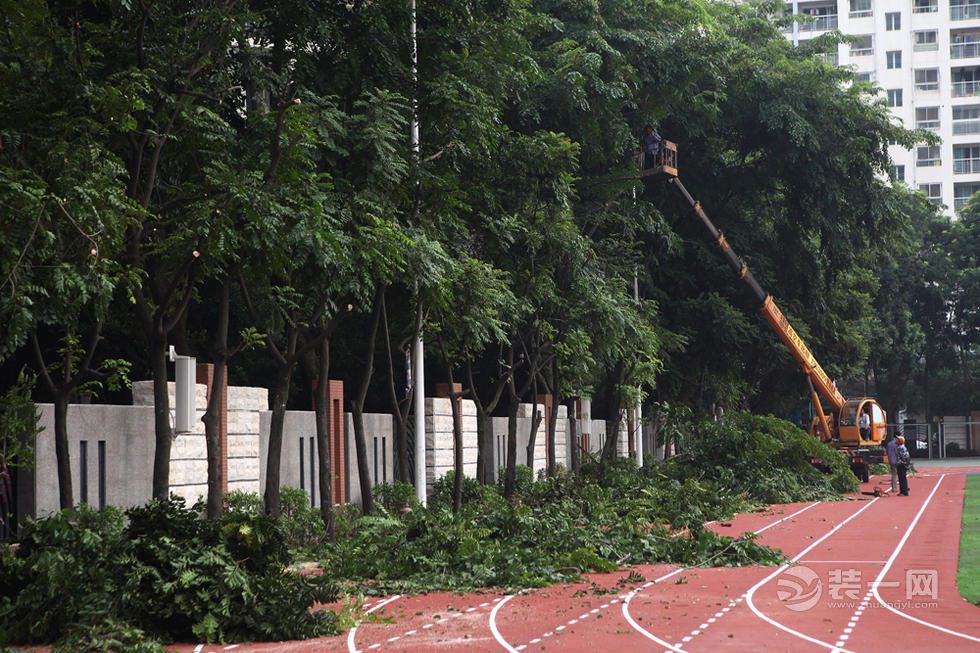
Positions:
{"x": 665, "y": 165}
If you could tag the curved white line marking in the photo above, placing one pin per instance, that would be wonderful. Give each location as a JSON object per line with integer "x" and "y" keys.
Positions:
{"x": 640, "y": 629}
{"x": 781, "y": 569}
{"x": 493, "y": 626}
{"x": 629, "y": 597}
{"x": 891, "y": 560}
{"x": 351, "y": 648}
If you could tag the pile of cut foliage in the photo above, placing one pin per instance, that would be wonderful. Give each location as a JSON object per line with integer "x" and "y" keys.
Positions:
{"x": 598, "y": 520}
{"x": 766, "y": 458}
{"x": 104, "y": 581}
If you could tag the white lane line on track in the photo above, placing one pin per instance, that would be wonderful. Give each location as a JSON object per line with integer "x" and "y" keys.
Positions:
{"x": 493, "y": 625}
{"x": 751, "y": 593}
{"x": 351, "y": 648}
{"x": 891, "y": 561}
{"x": 852, "y": 622}
{"x": 677, "y": 647}
{"x": 780, "y": 521}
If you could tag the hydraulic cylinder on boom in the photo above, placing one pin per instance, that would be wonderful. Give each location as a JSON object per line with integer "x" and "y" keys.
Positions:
{"x": 841, "y": 424}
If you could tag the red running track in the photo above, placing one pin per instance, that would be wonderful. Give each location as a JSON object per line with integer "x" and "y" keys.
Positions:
{"x": 880, "y": 575}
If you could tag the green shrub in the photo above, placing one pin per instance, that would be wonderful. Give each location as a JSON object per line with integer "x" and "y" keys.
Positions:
{"x": 85, "y": 576}
{"x": 395, "y": 496}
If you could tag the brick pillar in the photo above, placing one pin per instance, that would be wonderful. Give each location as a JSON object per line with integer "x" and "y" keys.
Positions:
{"x": 335, "y": 438}
{"x": 442, "y": 389}
{"x": 338, "y": 458}
{"x": 205, "y": 375}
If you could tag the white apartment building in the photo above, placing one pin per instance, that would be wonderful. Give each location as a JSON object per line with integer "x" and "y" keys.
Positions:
{"x": 925, "y": 56}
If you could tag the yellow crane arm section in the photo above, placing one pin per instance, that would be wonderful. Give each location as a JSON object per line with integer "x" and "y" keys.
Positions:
{"x": 802, "y": 354}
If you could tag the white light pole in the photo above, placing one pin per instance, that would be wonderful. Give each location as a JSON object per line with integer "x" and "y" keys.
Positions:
{"x": 639, "y": 388}
{"x": 418, "y": 350}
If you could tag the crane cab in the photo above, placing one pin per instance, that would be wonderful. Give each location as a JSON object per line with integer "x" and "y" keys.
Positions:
{"x": 664, "y": 166}
{"x": 849, "y": 432}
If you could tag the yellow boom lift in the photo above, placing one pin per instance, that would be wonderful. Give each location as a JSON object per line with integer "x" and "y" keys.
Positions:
{"x": 839, "y": 423}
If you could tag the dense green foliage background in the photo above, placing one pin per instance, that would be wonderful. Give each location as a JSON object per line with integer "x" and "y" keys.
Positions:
{"x": 277, "y": 141}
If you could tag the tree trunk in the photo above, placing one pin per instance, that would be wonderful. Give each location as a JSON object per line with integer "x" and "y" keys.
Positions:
{"x": 322, "y": 411}
{"x": 212, "y": 437}
{"x": 357, "y": 408}
{"x": 61, "y": 450}
{"x": 614, "y": 406}
{"x": 484, "y": 439}
{"x": 363, "y": 471}
{"x": 161, "y": 418}
{"x": 280, "y": 394}
{"x": 573, "y": 436}
{"x": 212, "y": 416}
{"x": 454, "y": 399}
{"x": 532, "y": 437}
{"x": 511, "y": 472}
{"x": 550, "y": 443}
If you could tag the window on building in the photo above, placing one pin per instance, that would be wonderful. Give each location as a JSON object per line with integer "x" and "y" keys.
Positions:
{"x": 927, "y": 118}
{"x": 898, "y": 173}
{"x": 925, "y": 40}
{"x": 927, "y": 156}
{"x": 925, "y": 6}
{"x": 894, "y": 59}
{"x": 962, "y": 194}
{"x": 864, "y": 77}
{"x": 864, "y": 47}
{"x": 893, "y": 21}
{"x": 927, "y": 79}
{"x": 894, "y": 97}
{"x": 966, "y": 119}
{"x": 933, "y": 192}
{"x": 966, "y": 159}
{"x": 860, "y": 8}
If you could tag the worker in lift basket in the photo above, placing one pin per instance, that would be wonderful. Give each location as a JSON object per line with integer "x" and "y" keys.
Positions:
{"x": 650, "y": 146}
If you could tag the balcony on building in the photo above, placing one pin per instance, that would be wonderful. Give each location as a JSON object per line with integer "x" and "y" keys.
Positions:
{"x": 962, "y": 193}
{"x": 925, "y": 7}
{"x": 964, "y": 10}
{"x": 864, "y": 47}
{"x": 966, "y": 159}
{"x": 965, "y": 81}
{"x": 860, "y": 9}
{"x": 964, "y": 43}
{"x": 820, "y": 16}
{"x": 966, "y": 119}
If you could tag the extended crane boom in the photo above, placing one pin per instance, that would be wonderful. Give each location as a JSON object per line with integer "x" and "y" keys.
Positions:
{"x": 843, "y": 426}
{"x": 784, "y": 330}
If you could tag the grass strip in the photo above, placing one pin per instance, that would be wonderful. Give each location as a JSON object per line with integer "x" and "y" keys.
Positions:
{"x": 968, "y": 579}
